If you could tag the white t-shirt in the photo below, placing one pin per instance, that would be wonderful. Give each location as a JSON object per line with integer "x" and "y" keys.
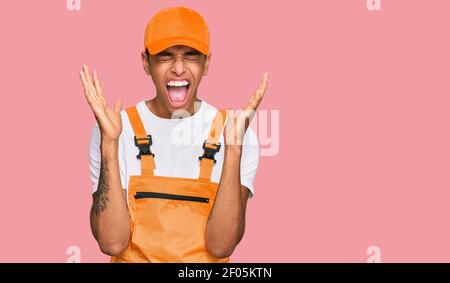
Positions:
{"x": 177, "y": 145}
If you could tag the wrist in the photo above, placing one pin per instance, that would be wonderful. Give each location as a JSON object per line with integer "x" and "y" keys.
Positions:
{"x": 109, "y": 148}
{"x": 233, "y": 150}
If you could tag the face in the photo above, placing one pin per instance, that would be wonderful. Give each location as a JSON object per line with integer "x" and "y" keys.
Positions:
{"x": 176, "y": 72}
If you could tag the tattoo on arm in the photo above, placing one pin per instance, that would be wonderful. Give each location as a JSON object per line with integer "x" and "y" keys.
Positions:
{"x": 101, "y": 195}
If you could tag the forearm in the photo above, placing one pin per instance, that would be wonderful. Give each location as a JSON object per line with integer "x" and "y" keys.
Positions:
{"x": 110, "y": 220}
{"x": 226, "y": 224}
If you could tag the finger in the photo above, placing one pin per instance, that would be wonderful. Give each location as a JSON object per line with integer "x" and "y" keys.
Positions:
{"x": 89, "y": 85}
{"x": 117, "y": 106}
{"x": 261, "y": 89}
{"x": 266, "y": 79}
{"x": 264, "y": 82}
{"x": 258, "y": 99}
{"x": 260, "y": 92}
{"x": 245, "y": 119}
{"x": 89, "y": 80}
{"x": 259, "y": 85}
{"x": 88, "y": 76}
{"x": 97, "y": 84}
{"x": 254, "y": 102}
{"x": 92, "y": 101}
{"x": 89, "y": 93}
{"x": 83, "y": 80}
{"x": 86, "y": 92}
{"x": 98, "y": 89}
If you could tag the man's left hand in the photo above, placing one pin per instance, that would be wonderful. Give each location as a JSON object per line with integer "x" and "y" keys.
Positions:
{"x": 237, "y": 126}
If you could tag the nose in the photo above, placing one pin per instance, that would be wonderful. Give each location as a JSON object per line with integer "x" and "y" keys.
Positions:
{"x": 178, "y": 65}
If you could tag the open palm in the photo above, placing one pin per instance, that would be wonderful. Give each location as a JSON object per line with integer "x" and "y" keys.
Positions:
{"x": 108, "y": 119}
{"x": 237, "y": 126}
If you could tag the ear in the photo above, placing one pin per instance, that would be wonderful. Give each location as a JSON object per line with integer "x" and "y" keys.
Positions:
{"x": 145, "y": 62}
{"x": 208, "y": 59}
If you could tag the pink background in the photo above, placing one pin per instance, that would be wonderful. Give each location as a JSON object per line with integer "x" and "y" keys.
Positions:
{"x": 364, "y": 103}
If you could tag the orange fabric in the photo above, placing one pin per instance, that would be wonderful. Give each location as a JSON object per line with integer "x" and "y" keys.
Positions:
{"x": 206, "y": 168}
{"x": 176, "y": 26}
{"x": 217, "y": 127}
{"x": 147, "y": 161}
{"x": 166, "y": 229}
{"x": 136, "y": 123}
{"x": 147, "y": 165}
{"x": 206, "y": 165}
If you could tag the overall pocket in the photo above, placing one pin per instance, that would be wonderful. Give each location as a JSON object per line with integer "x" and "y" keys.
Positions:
{"x": 170, "y": 216}
{"x": 142, "y": 195}
{"x": 170, "y": 226}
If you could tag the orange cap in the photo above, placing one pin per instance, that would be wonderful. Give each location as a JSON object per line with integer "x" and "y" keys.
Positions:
{"x": 176, "y": 26}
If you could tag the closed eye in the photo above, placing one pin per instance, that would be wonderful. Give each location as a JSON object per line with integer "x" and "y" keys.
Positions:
{"x": 192, "y": 53}
{"x": 164, "y": 53}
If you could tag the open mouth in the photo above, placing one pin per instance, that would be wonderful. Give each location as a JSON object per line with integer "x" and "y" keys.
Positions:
{"x": 178, "y": 91}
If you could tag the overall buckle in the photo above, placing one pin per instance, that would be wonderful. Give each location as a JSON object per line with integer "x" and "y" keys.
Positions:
{"x": 209, "y": 151}
{"x": 144, "y": 148}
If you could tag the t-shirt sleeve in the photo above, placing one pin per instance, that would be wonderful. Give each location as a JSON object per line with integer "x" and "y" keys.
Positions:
{"x": 249, "y": 160}
{"x": 95, "y": 158}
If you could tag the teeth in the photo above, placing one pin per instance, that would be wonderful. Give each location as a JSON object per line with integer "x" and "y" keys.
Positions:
{"x": 177, "y": 83}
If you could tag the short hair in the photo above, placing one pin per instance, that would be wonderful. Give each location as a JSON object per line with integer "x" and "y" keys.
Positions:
{"x": 148, "y": 55}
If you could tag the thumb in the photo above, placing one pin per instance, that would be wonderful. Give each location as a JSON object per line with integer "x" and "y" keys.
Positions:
{"x": 117, "y": 106}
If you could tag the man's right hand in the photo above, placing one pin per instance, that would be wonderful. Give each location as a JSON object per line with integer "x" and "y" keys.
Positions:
{"x": 108, "y": 119}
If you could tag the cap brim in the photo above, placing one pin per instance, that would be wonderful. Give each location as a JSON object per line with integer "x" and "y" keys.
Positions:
{"x": 160, "y": 45}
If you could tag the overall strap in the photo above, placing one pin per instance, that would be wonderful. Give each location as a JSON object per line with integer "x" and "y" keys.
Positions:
{"x": 142, "y": 141}
{"x": 212, "y": 145}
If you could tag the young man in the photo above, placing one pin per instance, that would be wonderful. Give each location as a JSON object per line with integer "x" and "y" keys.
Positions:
{"x": 168, "y": 185}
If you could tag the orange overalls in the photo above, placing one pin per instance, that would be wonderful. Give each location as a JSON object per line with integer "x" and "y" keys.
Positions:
{"x": 169, "y": 214}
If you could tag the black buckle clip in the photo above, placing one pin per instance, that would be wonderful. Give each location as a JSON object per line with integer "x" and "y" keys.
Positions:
{"x": 144, "y": 148}
{"x": 210, "y": 152}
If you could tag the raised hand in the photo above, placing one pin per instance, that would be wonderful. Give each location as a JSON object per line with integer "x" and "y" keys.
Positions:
{"x": 108, "y": 119}
{"x": 237, "y": 126}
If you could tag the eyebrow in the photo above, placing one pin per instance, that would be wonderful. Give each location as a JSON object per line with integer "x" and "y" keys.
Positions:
{"x": 167, "y": 53}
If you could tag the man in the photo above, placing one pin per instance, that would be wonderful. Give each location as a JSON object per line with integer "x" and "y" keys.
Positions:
{"x": 159, "y": 196}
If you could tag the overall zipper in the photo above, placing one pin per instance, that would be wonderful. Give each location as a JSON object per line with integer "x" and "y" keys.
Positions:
{"x": 141, "y": 195}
